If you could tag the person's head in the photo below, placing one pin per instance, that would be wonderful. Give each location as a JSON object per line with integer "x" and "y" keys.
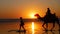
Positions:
{"x": 48, "y": 8}
{"x": 20, "y": 17}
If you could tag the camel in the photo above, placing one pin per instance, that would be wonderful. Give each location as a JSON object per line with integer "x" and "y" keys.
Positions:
{"x": 49, "y": 19}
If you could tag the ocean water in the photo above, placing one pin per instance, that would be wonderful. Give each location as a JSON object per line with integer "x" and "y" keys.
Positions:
{"x": 31, "y": 28}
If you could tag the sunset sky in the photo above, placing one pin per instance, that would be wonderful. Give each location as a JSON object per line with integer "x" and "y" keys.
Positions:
{"x": 27, "y": 8}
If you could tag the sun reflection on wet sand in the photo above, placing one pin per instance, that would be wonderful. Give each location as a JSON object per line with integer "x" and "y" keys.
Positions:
{"x": 32, "y": 27}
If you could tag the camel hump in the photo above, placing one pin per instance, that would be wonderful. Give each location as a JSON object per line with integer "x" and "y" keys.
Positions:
{"x": 54, "y": 15}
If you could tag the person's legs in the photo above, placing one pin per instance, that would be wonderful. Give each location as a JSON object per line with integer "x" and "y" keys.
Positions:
{"x": 23, "y": 27}
{"x": 20, "y": 26}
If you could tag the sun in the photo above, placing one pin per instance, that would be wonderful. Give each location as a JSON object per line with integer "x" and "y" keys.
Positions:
{"x": 32, "y": 15}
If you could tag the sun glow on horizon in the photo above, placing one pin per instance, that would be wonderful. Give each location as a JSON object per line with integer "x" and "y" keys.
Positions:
{"x": 32, "y": 14}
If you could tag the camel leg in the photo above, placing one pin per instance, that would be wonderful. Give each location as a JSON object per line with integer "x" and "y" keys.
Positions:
{"x": 58, "y": 23}
{"x": 46, "y": 26}
{"x": 43, "y": 26}
{"x": 53, "y": 26}
{"x": 59, "y": 26}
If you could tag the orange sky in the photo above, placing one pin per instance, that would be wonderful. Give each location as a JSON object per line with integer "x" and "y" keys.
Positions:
{"x": 26, "y": 8}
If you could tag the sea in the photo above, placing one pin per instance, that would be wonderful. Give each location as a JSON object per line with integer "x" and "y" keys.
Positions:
{"x": 31, "y": 28}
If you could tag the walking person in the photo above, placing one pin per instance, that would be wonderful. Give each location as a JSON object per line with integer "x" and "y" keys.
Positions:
{"x": 21, "y": 23}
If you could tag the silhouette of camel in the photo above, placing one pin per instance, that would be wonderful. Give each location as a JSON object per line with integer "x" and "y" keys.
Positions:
{"x": 48, "y": 18}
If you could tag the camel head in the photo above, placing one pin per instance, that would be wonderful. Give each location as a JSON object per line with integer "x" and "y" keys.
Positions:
{"x": 37, "y": 15}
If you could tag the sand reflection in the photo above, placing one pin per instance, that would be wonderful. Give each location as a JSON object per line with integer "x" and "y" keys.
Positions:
{"x": 32, "y": 27}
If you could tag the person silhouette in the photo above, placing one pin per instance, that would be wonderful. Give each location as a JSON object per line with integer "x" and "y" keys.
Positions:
{"x": 48, "y": 13}
{"x": 21, "y": 23}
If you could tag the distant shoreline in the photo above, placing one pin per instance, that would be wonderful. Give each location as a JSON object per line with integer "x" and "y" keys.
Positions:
{"x": 17, "y": 20}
